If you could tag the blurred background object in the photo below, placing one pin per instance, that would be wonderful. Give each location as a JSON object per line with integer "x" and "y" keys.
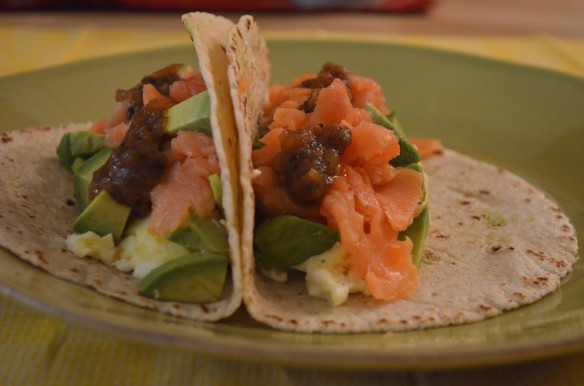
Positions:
{"x": 229, "y": 5}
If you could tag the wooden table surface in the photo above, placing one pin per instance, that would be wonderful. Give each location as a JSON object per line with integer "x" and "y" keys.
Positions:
{"x": 561, "y": 18}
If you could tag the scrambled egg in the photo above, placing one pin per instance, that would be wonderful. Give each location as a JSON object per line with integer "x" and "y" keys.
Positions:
{"x": 328, "y": 278}
{"x": 94, "y": 245}
{"x": 139, "y": 251}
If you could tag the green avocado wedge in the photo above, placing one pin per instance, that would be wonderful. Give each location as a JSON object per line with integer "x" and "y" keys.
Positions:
{"x": 417, "y": 232}
{"x": 408, "y": 153}
{"x": 201, "y": 234}
{"x": 193, "y": 278}
{"x": 285, "y": 241}
{"x": 78, "y": 144}
{"x": 84, "y": 174}
{"x": 215, "y": 182}
{"x": 192, "y": 114}
{"x": 103, "y": 215}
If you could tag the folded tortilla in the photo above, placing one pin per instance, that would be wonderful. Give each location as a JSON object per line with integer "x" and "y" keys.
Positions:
{"x": 37, "y": 192}
{"x": 495, "y": 242}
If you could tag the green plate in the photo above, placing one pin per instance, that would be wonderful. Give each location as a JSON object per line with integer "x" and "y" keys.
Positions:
{"x": 528, "y": 120}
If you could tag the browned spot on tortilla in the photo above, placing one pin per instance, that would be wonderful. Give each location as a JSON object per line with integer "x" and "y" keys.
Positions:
{"x": 484, "y": 191}
{"x": 540, "y": 280}
{"x": 431, "y": 256}
{"x": 6, "y": 138}
{"x": 475, "y": 217}
{"x": 328, "y": 322}
{"x": 464, "y": 202}
{"x": 275, "y": 317}
{"x": 70, "y": 202}
{"x": 495, "y": 248}
{"x": 436, "y": 234}
{"x": 541, "y": 255}
{"x": 485, "y": 307}
{"x": 41, "y": 256}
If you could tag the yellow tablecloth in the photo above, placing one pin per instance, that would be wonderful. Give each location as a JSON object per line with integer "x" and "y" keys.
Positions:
{"x": 36, "y": 349}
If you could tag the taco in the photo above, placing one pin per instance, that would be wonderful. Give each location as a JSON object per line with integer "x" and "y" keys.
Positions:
{"x": 140, "y": 207}
{"x": 342, "y": 229}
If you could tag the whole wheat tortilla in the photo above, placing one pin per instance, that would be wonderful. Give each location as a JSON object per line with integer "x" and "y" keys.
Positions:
{"x": 37, "y": 192}
{"x": 495, "y": 242}
{"x": 249, "y": 74}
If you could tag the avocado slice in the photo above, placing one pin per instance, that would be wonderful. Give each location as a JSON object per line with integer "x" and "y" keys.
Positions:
{"x": 215, "y": 182}
{"x": 285, "y": 241}
{"x": 84, "y": 174}
{"x": 103, "y": 215}
{"x": 417, "y": 232}
{"x": 192, "y": 114}
{"x": 201, "y": 234}
{"x": 77, "y": 162}
{"x": 396, "y": 123}
{"x": 193, "y": 278}
{"x": 408, "y": 153}
{"x": 77, "y": 144}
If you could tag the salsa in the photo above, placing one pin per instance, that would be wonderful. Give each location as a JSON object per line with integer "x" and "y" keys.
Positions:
{"x": 136, "y": 166}
{"x": 161, "y": 80}
{"x": 310, "y": 159}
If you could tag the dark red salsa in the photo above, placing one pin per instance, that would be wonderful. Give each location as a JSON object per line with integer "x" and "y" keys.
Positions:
{"x": 161, "y": 79}
{"x": 310, "y": 159}
{"x": 137, "y": 165}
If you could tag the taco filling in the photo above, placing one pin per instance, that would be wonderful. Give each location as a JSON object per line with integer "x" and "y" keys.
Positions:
{"x": 337, "y": 188}
{"x": 155, "y": 173}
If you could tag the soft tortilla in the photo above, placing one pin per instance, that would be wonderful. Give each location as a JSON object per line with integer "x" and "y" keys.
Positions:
{"x": 249, "y": 74}
{"x": 495, "y": 242}
{"x": 37, "y": 192}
